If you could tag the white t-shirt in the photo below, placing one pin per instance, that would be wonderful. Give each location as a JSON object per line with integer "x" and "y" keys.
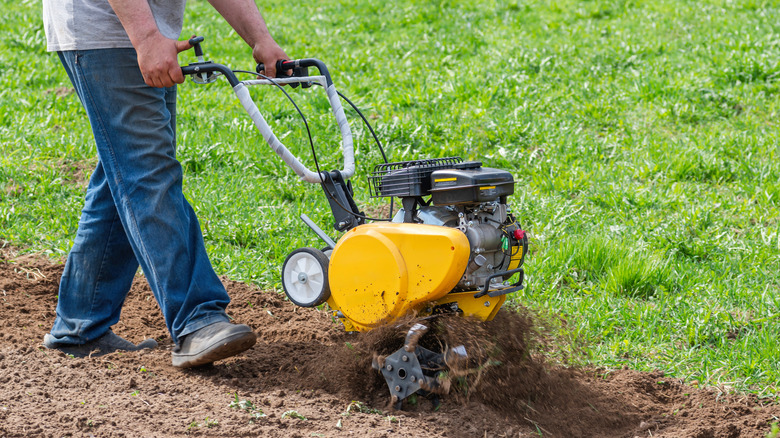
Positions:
{"x": 92, "y": 24}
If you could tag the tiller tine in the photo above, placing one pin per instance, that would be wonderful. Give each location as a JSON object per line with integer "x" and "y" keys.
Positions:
{"x": 414, "y": 369}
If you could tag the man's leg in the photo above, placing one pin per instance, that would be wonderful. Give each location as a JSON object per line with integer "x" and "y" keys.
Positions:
{"x": 134, "y": 127}
{"x": 98, "y": 273}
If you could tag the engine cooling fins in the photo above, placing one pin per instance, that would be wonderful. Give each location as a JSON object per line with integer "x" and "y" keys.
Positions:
{"x": 417, "y": 370}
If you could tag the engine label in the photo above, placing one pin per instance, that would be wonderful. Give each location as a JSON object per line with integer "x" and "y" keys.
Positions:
{"x": 488, "y": 190}
{"x": 445, "y": 182}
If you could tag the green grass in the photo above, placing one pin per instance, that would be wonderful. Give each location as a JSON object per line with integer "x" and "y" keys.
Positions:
{"x": 642, "y": 136}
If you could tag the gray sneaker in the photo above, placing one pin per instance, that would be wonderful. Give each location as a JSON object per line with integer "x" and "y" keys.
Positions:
{"x": 212, "y": 343}
{"x": 108, "y": 343}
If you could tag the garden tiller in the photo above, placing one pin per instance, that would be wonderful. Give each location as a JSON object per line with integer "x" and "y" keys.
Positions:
{"x": 452, "y": 248}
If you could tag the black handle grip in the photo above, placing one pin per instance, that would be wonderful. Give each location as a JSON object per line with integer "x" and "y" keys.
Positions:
{"x": 281, "y": 65}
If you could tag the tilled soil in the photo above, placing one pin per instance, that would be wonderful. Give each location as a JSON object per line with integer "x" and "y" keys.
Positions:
{"x": 306, "y": 377}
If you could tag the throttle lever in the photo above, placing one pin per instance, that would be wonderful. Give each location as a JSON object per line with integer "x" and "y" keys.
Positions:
{"x": 195, "y": 43}
{"x": 203, "y": 77}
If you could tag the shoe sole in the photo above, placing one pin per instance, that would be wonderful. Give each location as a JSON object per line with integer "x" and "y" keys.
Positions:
{"x": 230, "y": 346}
{"x": 81, "y": 351}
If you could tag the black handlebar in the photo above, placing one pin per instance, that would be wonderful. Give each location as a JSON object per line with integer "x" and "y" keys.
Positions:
{"x": 299, "y": 67}
{"x": 210, "y": 67}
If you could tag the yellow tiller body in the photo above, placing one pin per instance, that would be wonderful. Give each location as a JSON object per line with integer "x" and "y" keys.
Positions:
{"x": 382, "y": 271}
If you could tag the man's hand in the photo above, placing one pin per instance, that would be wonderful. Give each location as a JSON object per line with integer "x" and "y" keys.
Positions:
{"x": 156, "y": 53}
{"x": 158, "y": 62}
{"x": 268, "y": 53}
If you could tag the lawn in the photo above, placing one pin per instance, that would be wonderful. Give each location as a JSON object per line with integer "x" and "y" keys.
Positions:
{"x": 641, "y": 134}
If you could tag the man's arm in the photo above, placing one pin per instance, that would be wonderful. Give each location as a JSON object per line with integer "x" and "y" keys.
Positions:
{"x": 245, "y": 18}
{"x": 156, "y": 53}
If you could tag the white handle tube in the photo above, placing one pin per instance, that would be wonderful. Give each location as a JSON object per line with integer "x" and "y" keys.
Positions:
{"x": 291, "y": 160}
{"x": 251, "y": 108}
{"x": 346, "y": 134}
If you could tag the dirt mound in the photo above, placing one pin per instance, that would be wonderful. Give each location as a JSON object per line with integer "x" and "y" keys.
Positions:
{"x": 307, "y": 377}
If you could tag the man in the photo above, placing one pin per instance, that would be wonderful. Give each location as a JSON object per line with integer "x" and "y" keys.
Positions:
{"x": 121, "y": 56}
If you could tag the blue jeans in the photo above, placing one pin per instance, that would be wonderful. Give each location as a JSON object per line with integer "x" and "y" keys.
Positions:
{"x": 134, "y": 211}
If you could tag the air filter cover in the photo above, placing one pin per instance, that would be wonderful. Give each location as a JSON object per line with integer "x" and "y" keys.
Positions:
{"x": 470, "y": 183}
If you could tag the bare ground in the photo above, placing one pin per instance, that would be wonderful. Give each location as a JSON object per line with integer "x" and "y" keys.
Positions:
{"x": 306, "y": 377}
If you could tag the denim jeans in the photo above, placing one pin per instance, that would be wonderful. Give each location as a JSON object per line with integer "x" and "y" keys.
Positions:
{"x": 134, "y": 211}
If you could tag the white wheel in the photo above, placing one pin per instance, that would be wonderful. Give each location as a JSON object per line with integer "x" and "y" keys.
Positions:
{"x": 305, "y": 277}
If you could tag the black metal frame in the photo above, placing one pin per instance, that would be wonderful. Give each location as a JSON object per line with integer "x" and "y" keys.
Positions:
{"x": 498, "y": 292}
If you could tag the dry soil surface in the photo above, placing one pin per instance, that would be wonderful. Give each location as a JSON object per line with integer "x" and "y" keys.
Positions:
{"x": 306, "y": 377}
